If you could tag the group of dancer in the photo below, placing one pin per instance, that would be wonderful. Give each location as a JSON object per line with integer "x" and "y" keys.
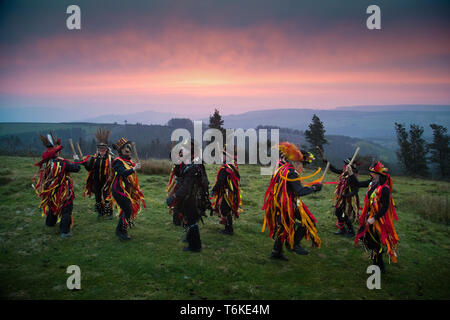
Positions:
{"x": 113, "y": 179}
{"x": 289, "y": 220}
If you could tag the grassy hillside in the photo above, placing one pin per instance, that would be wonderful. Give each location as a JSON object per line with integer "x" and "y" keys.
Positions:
{"x": 33, "y": 258}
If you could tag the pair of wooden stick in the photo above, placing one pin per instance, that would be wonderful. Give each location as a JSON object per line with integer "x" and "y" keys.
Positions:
{"x": 81, "y": 153}
{"x": 73, "y": 149}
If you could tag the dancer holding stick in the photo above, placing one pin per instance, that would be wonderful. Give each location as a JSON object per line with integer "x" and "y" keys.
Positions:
{"x": 55, "y": 185}
{"x": 346, "y": 200}
{"x": 125, "y": 188}
{"x": 288, "y": 218}
{"x": 376, "y": 224}
{"x": 100, "y": 176}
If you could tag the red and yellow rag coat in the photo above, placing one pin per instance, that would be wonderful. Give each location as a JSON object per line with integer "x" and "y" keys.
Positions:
{"x": 384, "y": 225}
{"x": 283, "y": 207}
{"x": 128, "y": 187}
{"x": 227, "y": 189}
{"x": 54, "y": 185}
{"x": 100, "y": 171}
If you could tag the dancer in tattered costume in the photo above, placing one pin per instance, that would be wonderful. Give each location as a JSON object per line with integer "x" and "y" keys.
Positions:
{"x": 101, "y": 175}
{"x": 376, "y": 224}
{"x": 55, "y": 185}
{"x": 287, "y": 217}
{"x": 227, "y": 193}
{"x": 125, "y": 188}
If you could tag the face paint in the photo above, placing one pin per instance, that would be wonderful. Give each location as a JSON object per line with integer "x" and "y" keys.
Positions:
{"x": 126, "y": 151}
{"x": 102, "y": 151}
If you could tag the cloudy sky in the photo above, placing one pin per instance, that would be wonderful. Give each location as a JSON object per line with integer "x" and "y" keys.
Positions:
{"x": 189, "y": 57}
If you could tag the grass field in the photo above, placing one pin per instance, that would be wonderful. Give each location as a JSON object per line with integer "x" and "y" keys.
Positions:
{"x": 33, "y": 258}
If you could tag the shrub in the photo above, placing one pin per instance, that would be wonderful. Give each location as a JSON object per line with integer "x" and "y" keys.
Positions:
{"x": 431, "y": 207}
{"x": 155, "y": 166}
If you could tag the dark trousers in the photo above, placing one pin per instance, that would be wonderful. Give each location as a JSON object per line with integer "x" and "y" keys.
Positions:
{"x": 124, "y": 204}
{"x": 176, "y": 217}
{"x": 372, "y": 242}
{"x": 191, "y": 217}
{"x": 100, "y": 193}
{"x": 226, "y": 212}
{"x": 342, "y": 218}
{"x": 102, "y": 206}
{"x": 299, "y": 234}
{"x": 66, "y": 218}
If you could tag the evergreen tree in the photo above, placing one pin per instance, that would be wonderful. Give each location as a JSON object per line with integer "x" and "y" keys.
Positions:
{"x": 316, "y": 134}
{"x": 216, "y": 122}
{"x": 440, "y": 150}
{"x": 412, "y": 154}
{"x": 404, "y": 153}
{"x": 418, "y": 151}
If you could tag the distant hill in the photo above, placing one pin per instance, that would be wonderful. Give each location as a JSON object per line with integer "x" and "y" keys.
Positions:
{"x": 401, "y": 108}
{"x": 39, "y": 114}
{"x": 146, "y": 117}
{"x": 375, "y": 123}
{"x": 53, "y": 115}
{"x": 352, "y": 123}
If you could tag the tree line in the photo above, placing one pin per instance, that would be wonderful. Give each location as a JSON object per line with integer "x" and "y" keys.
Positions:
{"x": 416, "y": 156}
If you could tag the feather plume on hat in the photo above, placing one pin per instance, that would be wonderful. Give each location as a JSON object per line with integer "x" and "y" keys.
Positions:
{"x": 290, "y": 151}
{"x": 50, "y": 140}
{"x": 102, "y": 136}
{"x": 53, "y": 146}
{"x": 379, "y": 168}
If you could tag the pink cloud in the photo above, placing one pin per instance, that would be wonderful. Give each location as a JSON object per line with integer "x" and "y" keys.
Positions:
{"x": 252, "y": 66}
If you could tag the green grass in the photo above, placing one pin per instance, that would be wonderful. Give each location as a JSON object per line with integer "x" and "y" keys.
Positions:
{"x": 33, "y": 258}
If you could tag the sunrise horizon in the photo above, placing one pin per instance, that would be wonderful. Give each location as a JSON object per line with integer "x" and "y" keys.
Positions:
{"x": 190, "y": 57}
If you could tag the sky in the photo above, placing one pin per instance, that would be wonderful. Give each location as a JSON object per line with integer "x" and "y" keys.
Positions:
{"x": 189, "y": 57}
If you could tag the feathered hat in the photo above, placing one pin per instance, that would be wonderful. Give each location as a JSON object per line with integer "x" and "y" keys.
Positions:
{"x": 52, "y": 144}
{"x": 121, "y": 143}
{"x": 379, "y": 168}
{"x": 102, "y": 136}
{"x": 294, "y": 153}
{"x": 50, "y": 140}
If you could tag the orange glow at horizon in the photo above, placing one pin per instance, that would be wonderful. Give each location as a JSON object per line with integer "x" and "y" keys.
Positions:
{"x": 252, "y": 64}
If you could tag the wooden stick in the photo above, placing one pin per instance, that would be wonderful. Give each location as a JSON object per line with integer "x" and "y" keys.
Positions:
{"x": 79, "y": 150}
{"x": 326, "y": 170}
{"x": 135, "y": 152}
{"x": 71, "y": 145}
{"x": 354, "y": 156}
